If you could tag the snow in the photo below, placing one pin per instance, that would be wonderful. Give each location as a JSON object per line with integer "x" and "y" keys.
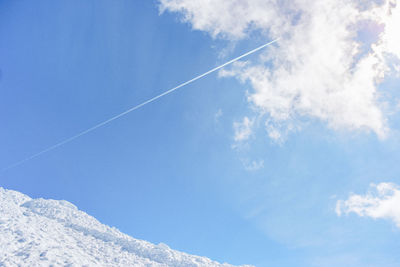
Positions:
{"x": 41, "y": 232}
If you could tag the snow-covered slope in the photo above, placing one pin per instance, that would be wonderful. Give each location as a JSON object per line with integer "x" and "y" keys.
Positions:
{"x": 39, "y": 232}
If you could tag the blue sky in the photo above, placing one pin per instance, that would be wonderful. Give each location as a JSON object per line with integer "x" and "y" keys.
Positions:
{"x": 188, "y": 170}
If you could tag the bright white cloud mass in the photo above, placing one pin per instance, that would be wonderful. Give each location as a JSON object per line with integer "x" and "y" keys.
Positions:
{"x": 381, "y": 202}
{"x": 328, "y": 64}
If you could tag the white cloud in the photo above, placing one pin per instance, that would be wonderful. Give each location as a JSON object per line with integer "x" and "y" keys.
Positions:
{"x": 252, "y": 165}
{"x": 243, "y": 130}
{"x": 322, "y": 68}
{"x": 231, "y": 19}
{"x": 381, "y": 202}
{"x": 218, "y": 115}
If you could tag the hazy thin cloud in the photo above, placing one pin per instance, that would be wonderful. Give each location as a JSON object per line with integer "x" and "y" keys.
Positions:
{"x": 243, "y": 129}
{"x": 252, "y": 165}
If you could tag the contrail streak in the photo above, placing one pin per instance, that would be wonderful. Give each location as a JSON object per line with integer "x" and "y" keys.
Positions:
{"x": 134, "y": 108}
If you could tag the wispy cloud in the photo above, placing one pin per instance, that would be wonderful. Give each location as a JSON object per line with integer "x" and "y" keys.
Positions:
{"x": 218, "y": 115}
{"x": 252, "y": 165}
{"x": 243, "y": 129}
{"x": 322, "y": 68}
{"x": 381, "y": 202}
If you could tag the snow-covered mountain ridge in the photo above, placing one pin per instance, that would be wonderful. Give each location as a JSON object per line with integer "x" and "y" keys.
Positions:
{"x": 40, "y": 232}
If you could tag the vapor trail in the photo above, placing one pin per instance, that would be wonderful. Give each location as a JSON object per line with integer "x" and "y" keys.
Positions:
{"x": 134, "y": 108}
